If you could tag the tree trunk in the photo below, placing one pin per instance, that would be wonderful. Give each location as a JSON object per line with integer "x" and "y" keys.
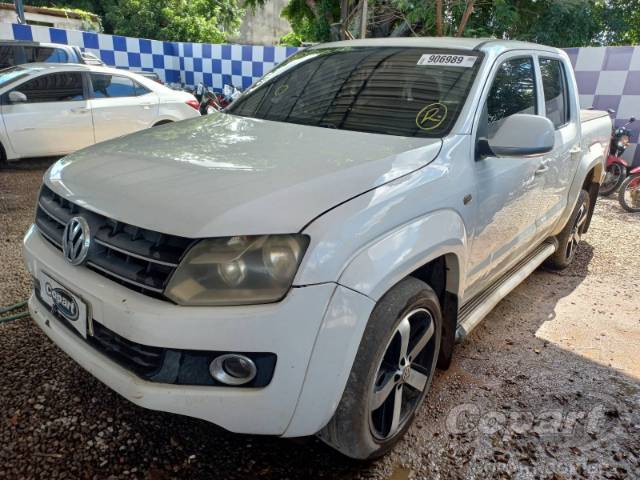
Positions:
{"x": 344, "y": 15}
{"x": 439, "y": 18}
{"x": 364, "y": 18}
{"x": 465, "y": 18}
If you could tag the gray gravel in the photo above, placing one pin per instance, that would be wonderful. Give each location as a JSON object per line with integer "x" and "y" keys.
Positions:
{"x": 548, "y": 387}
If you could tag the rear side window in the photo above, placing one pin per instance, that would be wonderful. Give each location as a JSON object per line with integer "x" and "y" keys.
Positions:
{"x": 554, "y": 84}
{"x": 54, "y": 87}
{"x": 7, "y": 56}
{"x": 513, "y": 91}
{"x": 45, "y": 55}
{"x": 112, "y": 86}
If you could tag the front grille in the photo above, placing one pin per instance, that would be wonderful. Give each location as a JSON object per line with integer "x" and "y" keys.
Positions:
{"x": 139, "y": 259}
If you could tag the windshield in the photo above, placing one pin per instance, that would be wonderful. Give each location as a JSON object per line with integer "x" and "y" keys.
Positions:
{"x": 414, "y": 92}
{"x": 11, "y": 74}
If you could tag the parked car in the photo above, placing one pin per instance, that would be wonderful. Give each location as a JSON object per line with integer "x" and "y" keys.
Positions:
{"x": 301, "y": 264}
{"x": 50, "y": 109}
{"x": 18, "y": 52}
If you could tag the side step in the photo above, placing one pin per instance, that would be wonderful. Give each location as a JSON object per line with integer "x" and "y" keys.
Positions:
{"x": 472, "y": 312}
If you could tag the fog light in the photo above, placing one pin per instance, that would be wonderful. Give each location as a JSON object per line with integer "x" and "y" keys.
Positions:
{"x": 233, "y": 369}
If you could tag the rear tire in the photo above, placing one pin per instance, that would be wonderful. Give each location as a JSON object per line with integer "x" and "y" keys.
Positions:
{"x": 629, "y": 195}
{"x": 391, "y": 374}
{"x": 613, "y": 179}
{"x": 570, "y": 236}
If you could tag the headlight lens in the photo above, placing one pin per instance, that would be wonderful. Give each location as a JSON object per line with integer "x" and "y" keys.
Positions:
{"x": 239, "y": 270}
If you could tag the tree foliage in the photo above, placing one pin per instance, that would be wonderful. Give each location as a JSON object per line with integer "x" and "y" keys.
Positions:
{"x": 176, "y": 20}
{"x": 563, "y": 23}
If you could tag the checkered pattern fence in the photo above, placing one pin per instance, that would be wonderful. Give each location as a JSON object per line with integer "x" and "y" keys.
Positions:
{"x": 608, "y": 77}
{"x": 188, "y": 63}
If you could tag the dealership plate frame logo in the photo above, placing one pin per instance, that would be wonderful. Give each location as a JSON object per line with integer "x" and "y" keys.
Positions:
{"x": 76, "y": 240}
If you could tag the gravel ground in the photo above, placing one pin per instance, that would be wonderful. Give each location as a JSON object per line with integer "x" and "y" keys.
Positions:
{"x": 547, "y": 387}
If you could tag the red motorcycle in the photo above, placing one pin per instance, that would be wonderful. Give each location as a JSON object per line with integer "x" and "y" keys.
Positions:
{"x": 617, "y": 168}
{"x": 629, "y": 195}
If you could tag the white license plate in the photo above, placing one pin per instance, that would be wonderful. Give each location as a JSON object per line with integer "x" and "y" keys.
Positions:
{"x": 65, "y": 303}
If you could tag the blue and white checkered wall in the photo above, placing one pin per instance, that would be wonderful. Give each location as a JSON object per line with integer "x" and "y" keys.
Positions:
{"x": 608, "y": 77}
{"x": 174, "y": 62}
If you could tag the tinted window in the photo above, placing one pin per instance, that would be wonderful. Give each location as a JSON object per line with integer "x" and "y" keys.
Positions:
{"x": 7, "y": 56}
{"x": 513, "y": 91}
{"x": 55, "y": 87}
{"x": 45, "y": 54}
{"x": 386, "y": 90}
{"x": 554, "y": 83}
{"x": 112, "y": 86}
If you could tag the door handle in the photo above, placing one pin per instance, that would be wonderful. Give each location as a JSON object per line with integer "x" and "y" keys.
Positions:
{"x": 146, "y": 106}
{"x": 79, "y": 110}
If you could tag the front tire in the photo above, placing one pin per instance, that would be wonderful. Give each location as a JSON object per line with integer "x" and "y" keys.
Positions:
{"x": 391, "y": 374}
{"x": 629, "y": 196}
{"x": 570, "y": 236}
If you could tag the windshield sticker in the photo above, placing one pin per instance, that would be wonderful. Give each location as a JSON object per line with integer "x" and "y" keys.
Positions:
{"x": 431, "y": 116}
{"x": 281, "y": 89}
{"x": 465, "y": 61}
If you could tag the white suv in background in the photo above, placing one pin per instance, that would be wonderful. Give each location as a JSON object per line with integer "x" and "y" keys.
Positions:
{"x": 55, "y": 109}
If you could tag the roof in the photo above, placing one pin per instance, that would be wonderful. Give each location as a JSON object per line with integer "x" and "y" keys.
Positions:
{"x": 74, "y": 67}
{"x": 464, "y": 43}
{"x": 55, "y": 12}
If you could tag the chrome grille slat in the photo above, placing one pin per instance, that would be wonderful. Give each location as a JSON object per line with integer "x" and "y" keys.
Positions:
{"x": 135, "y": 255}
{"x": 140, "y": 259}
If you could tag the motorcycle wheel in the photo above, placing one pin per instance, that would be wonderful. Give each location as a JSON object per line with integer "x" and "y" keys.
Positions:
{"x": 613, "y": 179}
{"x": 629, "y": 196}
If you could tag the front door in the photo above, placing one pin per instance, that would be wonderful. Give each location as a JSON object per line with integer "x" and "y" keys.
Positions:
{"x": 54, "y": 120}
{"x": 507, "y": 187}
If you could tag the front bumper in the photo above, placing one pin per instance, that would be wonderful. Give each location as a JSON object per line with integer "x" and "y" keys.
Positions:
{"x": 288, "y": 329}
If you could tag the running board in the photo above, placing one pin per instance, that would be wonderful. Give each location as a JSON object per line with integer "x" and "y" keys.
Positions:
{"x": 472, "y": 312}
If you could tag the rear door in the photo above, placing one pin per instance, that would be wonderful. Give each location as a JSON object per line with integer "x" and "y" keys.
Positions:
{"x": 120, "y": 105}
{"x": 55, "y": 119}
{"x": 560, "y": 164}
{"x": 507, "y": 187}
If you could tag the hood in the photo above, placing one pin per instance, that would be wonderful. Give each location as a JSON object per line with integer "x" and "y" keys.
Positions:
{"x": 223, "y": 175}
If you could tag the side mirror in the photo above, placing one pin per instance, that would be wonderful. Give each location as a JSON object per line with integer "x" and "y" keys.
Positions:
{"x": 523, "y": 135}
{"x": 17, "y": 97}
{"x": 632, "y": 119}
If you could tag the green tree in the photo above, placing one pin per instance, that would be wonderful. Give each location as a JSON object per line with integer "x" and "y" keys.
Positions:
{"x": 173, "y": 20}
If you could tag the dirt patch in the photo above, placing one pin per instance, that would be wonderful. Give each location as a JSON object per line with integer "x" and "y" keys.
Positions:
{"x": 547, "y": 387}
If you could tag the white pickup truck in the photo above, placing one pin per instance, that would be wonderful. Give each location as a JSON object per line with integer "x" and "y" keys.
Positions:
{"x": 300, "y": 264}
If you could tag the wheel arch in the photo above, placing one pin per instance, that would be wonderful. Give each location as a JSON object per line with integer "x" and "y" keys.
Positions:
{"x": 592, "y": 185}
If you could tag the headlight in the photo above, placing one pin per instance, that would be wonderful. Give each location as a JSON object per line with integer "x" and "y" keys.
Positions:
{"x": 237, "y": 270}
{"x": 624, "y": 140}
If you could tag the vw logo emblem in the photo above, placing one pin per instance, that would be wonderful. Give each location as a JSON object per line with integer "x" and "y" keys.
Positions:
{"x": 76, "y": 239}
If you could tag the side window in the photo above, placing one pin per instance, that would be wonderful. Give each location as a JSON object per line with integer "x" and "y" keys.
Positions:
{"x": 140, "y": 90}
{"x": 513, "y": 91}
{"x": 554, "y": 84}
{"x": 7, "y": 56}
{"x": 54, "y": 87}
{"x": 45, "y": 54}
{"x": 112, "y": 86}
